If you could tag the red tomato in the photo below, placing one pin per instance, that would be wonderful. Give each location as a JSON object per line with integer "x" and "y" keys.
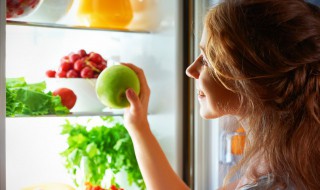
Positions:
{"x": 113, "y": 187}
{"x": 68, "y": 97}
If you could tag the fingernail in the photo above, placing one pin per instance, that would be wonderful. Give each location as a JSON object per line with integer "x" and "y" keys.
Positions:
{"x": 130, "y": 92}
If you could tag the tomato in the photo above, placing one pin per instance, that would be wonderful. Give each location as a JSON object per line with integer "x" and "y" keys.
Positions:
{"x": 68, "y": 97}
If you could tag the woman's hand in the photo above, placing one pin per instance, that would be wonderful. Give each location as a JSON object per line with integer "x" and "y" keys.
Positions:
{"x": 135, "y": 116}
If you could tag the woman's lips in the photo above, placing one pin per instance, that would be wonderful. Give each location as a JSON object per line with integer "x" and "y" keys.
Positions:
{"x": 200, "y": 94}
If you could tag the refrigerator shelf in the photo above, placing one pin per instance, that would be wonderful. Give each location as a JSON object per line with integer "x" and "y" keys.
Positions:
{"x": 61, "y": 26}
{"x": 76, "y": 114}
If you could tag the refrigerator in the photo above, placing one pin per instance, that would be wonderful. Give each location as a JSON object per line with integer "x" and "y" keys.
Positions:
{"x": 31, "y": 145}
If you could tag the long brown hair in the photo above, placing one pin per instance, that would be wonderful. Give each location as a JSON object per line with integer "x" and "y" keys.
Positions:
{"x": 268, "y": 52}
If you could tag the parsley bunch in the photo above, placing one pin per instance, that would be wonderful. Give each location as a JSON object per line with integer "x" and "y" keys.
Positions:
{"x": 92, "y": 151}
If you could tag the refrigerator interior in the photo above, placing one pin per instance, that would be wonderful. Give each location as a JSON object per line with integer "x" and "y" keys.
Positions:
{"x": 33, "y": 144}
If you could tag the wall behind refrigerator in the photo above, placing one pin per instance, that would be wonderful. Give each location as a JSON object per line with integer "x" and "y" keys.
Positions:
{"x": 33, "y": 144}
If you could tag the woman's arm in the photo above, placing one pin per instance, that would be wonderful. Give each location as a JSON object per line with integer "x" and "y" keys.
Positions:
{"x": 155, "y": 168}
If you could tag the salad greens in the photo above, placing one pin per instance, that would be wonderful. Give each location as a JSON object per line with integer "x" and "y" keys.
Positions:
{"x": 31, "y": 99}
{"x": 92, "y": 151}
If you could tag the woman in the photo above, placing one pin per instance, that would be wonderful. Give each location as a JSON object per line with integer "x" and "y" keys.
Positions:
{"x": 259, "y": 61}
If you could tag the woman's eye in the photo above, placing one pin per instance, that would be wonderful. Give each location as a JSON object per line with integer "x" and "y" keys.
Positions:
{"x": 203, "y": 61}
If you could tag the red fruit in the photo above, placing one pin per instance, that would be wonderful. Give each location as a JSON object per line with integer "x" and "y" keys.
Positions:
{"x": 86, "y": 72}
{"x": 61, "y": 74}
{"x": 51, "y": 73}
{"x": 79, "y": 64}
{"x": 101, "y": 67}
{"x": 64, "y": 59}
{"x": 72, "y": 74}
{"x": 65, "y": 66}
{"x": 82, "y": 53}
{"x": 68, "y": 97}
{"x": 96, "y": 75}
{"x": 74, "y": 57}
{"x": 93, "y": 66}
{"x": 96, "y": 188}
{"x": 95, "y": 57}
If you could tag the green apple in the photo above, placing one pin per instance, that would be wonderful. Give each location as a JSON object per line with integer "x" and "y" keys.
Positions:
{"x": 112, "y": 84}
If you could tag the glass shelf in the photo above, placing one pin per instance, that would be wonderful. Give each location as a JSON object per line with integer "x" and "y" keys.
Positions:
{"x": 76, "y": 114}
{"x": 61, "y": 26}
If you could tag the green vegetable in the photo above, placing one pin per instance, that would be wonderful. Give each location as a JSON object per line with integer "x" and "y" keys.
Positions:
{"x": 92, "y": 151}
{"x": 30, "y": 99}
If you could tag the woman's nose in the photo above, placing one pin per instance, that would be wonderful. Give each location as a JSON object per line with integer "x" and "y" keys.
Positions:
{"x": 192, "y": 71}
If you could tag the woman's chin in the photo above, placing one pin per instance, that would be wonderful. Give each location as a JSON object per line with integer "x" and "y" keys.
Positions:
{"x": 207, "y": 115}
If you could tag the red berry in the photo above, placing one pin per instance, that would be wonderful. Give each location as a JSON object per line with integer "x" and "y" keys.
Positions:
{"x": 65, "y": 66}
{"x": 82, "y": 53}
{"x": 93, "y": 66}
{"x": 61, "y": 74}
{"x": 101, "y": 67}
{"x": 74, "y": 57}
{"x": 86, "y": 72}
{"x": 72, "y": 74}
{"x": 79, "y": 64}
{"x": 51, "y": 73}
{"x": 64, "y": 59}
{"x": 95, "y": 57}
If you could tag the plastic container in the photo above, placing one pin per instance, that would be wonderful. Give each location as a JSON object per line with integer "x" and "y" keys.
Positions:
{"x": 21, "y": 8}
{"x": 115, "y": 14}
{"x": 49, "y": 11}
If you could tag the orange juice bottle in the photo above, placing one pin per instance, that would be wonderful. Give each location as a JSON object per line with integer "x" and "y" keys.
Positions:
{"x": 114, "y": 14}
{"x": 238, "y": 142}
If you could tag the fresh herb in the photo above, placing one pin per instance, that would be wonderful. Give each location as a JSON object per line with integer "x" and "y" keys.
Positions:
{"x": 31, "y": 99}
{"x": 94, "y": 150}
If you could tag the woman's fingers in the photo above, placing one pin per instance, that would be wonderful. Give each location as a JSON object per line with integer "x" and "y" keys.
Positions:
{"x": 144, "y": 90}
{"x": 133, "y": 99}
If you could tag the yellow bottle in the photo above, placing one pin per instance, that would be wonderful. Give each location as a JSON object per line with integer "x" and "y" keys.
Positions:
{"x": 114, "y": 14}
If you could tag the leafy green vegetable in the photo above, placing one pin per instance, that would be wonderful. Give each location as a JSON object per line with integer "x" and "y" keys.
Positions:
{"x": 104, "y": 147}
{"x": 30, "y": 99}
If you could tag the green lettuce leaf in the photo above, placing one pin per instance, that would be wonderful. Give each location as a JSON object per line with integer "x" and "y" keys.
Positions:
{"x": 31, "y": 99}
